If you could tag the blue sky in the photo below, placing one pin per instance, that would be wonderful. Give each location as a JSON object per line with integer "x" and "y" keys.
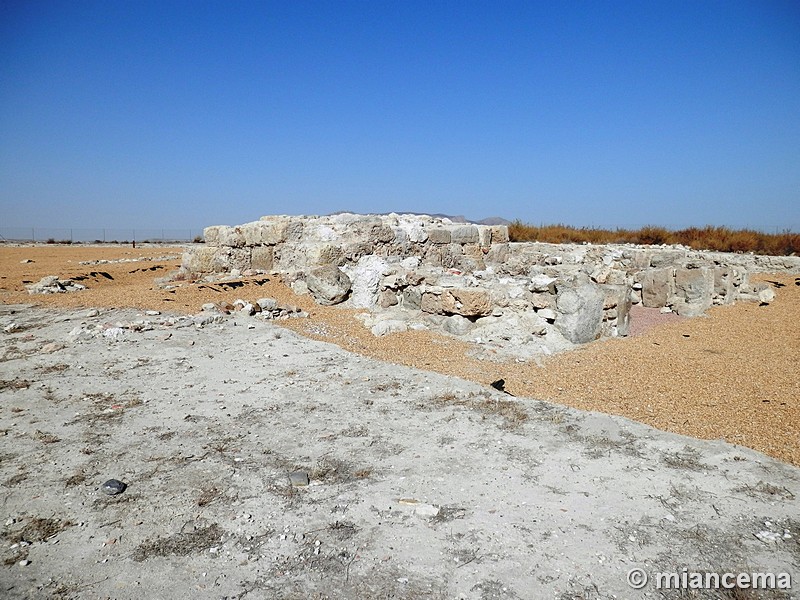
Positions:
{"x": 186, "y": 114}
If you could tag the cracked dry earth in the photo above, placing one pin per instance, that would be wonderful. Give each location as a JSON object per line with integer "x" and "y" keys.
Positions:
{"x": 421, "y": 485}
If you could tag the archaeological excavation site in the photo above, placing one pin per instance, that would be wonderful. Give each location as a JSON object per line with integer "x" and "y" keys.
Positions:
{"x": 415, "y": 272}
{"x": 396, "y": 406}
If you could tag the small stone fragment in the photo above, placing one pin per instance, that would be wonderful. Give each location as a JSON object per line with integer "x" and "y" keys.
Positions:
{"x": 112, "y": 487}
{"x": 428, "y": 511}
{"x": 298, "y": 478}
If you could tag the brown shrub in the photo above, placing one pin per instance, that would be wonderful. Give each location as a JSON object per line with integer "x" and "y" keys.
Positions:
{"x": 720, "y": 239}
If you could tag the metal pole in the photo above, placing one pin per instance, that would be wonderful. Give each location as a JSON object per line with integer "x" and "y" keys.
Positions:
{"x": 33, "y": 235}
{"x": 71, "y": 240}
{"x": 104, "y": 236}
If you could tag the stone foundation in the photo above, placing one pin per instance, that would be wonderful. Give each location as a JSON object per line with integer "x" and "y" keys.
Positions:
{"x": 416, "y": 271}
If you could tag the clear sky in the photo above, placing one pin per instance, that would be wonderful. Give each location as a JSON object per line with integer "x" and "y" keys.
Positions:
{"x": 193, "y": 113}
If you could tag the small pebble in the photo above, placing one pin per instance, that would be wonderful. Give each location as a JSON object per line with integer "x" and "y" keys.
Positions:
{"x": 298, "y": 478}
{"x": 112, "y": 487}
{"x": 24, "y": 563}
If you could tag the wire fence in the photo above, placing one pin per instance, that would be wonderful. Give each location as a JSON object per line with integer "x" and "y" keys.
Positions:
{"x": 99, "y": 235}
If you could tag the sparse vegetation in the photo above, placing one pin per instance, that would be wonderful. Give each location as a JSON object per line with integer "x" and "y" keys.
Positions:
{"x": 720, "y": 239}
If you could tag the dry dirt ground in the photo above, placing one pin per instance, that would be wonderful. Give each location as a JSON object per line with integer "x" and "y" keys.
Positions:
{"x": 422, "y": 484}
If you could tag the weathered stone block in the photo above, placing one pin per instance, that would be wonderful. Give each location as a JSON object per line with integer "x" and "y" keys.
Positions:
{"x": 499, "y": 234}
{"x": 498, "y": 254}
{"x": 695, "y": 285}
{"x": 387, "y": 298}
{"x": 200, "y": 259}
{"x": 262, "y": 257}
{"x": 580, "y": 304}
{"x": 431, "y": 303}
{"x": 439, "y": 236}
{"x": 658, "y": 286}
{"x": 467, "y": 234}
{"x": 383, "y": 235}
{"x": 211, "y": 235}
{"x": 234, "y": 258}
{"x": 329, "y": 285}
{"x": 276, "y": 230}
{"x": 484, "y": 235}
{"x": 232, "y": 237}
{"x": 618, "y": 298}
{"x": 412, "y": 298}
{"x": 467, "y": 302}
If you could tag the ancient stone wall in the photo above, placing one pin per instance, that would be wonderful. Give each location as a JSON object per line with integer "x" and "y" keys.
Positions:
{"x": 416, "y": 271}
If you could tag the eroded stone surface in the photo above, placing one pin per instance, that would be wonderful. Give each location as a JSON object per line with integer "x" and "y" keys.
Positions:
{"x": 427, "y": 270}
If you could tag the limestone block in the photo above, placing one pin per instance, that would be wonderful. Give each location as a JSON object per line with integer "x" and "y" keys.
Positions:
{"x": 695, "y": 285}
{"x": 687, "y": 309}
{"x": 541, "y": 300}
{"x": 211, "y": 235}
{"x": 499, "y": 234}
{"x": 621, "y": 298}
{"x": 232, "y": 237}
{"x": 431, "y": 303}
{"x": 451, "y": 255}
{"x": 723, "y": 284}
{"x": 252, "y": 233}
{"x": 276, "y": 230}
{"x": 387, "y": 327}
{"x": 234, "y": 258}
{"x": 473, "y": 258}
{"x": 467, "y": 234}
{"x": 387, "y": 298}
{"x": 439, "y": 235}
{"x": 412, "y": 298}
{"x": 468, "y": 302}
{"x": 433, "y": 256}
{"x": 665, "y": 258}
{"x": 498, "y": 254}
{"x": 580, "y": 304}
{"x": 658, "y": 286}
{"x": 383, "y": 235}
{"x": 400, "y": 235}
{"x": 262, "y": 257}
{"x": 328, "y": 284}
{"x": 484, "y": 235}
{"x": 200, "y": 259}
{"x": 617, "y": 277}
{"x": 321, "y": 253}
{"x": 365, "y": 277}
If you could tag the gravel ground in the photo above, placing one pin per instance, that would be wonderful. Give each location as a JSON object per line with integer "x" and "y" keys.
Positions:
{"x": 731, "y": 375}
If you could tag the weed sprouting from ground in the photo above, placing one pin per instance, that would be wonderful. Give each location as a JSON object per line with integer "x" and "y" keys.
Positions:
{"x": 180, "y": 544}
{"x": 688, "y": 459}
{"x": 512, "y": 412}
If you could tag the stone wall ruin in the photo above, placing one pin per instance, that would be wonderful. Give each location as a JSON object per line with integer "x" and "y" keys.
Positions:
{"x": 422, "y": 272}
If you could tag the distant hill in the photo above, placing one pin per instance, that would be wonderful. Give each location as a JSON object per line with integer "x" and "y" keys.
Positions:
{"x": 494, "y": 221}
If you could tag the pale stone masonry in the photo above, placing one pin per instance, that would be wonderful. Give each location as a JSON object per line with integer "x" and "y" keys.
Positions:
{"x": 416, "y": 271}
